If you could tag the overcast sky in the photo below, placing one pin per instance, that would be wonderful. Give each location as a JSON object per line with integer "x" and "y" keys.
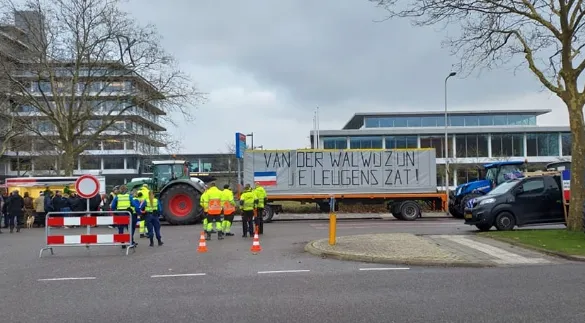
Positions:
{"x": 267, "y": 64}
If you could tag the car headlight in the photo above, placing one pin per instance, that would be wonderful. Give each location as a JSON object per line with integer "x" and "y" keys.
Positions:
{"x": 487, "y": 201}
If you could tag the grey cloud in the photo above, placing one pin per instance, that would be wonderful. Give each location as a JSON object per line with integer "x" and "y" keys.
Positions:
{"x": 326, "y": 52}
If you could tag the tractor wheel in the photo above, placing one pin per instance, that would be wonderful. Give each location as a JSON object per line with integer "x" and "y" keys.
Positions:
{"x": 454, "y": 211}
{"x": 181, "y": 204}
{"x": 466, "y": 200}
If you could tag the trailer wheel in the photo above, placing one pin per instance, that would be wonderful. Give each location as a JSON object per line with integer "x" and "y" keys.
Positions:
{"x": 410, "y": 210}
{"x": 267, "y": 214}
{"x": 394, "y": 209}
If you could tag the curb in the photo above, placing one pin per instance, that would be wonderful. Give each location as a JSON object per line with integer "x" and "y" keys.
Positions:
{"x": 538, "y": 249}
{"x": 310, "y": 248}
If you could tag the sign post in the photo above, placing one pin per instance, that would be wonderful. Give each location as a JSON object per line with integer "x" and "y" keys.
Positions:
{"x": 87, "y": 186}
{"x": 240, "y": 150}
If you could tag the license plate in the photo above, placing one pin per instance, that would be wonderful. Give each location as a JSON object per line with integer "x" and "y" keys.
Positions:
{"x": 467, "y": 215}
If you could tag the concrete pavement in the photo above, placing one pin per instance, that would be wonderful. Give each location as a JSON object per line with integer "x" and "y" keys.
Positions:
{"x": 174, "y": 283}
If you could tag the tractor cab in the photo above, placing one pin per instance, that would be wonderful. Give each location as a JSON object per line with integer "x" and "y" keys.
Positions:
{"x": 500, "y": 172}
{"x": 165, "y": 171}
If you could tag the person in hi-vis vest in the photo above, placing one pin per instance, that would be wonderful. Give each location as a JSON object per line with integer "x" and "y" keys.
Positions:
{"x": 212, "y": 201}
{"x": 261, "y": 195}
{"x": 153, "y": 210}
{"x": 126, "y": 202}
{"x": 229, "y": 208}
{"x": 142, "y": 228}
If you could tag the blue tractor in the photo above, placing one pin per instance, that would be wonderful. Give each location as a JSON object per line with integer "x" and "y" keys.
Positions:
{"x": 495, "y": 174}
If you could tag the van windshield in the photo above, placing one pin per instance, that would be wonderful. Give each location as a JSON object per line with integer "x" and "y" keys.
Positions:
{"x": 503, "y": 188}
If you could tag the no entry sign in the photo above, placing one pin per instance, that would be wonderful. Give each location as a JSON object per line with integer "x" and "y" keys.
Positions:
{"x": 87, "y": 186}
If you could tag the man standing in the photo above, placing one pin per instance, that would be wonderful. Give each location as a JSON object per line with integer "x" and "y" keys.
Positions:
{"x": 261, "y": 195}
{"x": 229, "y": 208}
{"x": 213, "y": 202}
{"x": 248, "y": 202}
{"x": 153, "y": 210}
{"x": 39, "y": 205}
{"x": 15, "y": 210}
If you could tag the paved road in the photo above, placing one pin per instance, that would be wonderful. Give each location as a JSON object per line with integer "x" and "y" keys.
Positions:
{"x": 228, "y": 284}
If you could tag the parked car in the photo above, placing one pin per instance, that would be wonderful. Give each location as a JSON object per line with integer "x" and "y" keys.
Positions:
{"x": 532, "y": 200}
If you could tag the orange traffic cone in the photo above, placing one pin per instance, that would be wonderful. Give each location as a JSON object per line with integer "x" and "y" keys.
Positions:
{"x": 202, "y": 245}
{"x": 256, "y": 243}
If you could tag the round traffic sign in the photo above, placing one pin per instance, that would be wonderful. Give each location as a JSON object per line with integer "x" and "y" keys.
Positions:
{"x": 87, "y": 186}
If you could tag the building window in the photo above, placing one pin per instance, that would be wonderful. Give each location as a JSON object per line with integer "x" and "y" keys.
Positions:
{"x": 508, "y": 145}
{"x": 400, "y": 122}
{"x": 500, "y": 120}
{"x": 521, "y": 120}
{"x": 372, "y": 122}
{"x": 131, "y": 163}
{"x": 456, "y": 121}
{"x": 436, "y": 142}
{"x": 129, "y": 145}
{"x": 486, "y": 120}
{"x": 335, "y": 143}
{"x": 20, "y": 164}
{"x": 467, "y": 173}
{"x": 112, "y": 144}
{"x": 365, "y": 143}
{"x": 542, "y": 144}
{"x": 471, "y": 121}
{"x": 471, "y": 146}
{"x": 413, "y": 122}
{"x": 566, "y": 144}
{"x": 440, "y": 175}
{"x": 401, "y": 142}
{"x": 386, "y": 122}
{"x": 90, "y": 162}
{"x": 92, "y": 145}
{"x": 45, "y": 163}
{"x": 113, "y": 163}
{"x": 428, "y": 121}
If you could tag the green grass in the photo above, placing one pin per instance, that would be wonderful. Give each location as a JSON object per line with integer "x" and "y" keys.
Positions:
{"x": 567, "y": 242}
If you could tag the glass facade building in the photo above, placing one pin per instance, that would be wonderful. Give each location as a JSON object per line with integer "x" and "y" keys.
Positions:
{"x": 474, "y": 138}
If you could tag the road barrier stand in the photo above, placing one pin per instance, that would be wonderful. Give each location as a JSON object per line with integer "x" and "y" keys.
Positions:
{"x": 332, "y": 222}
{"x": 88, "y": 219}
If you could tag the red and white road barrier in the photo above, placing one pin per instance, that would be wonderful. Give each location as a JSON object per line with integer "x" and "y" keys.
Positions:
{"x": 89, "y": 220}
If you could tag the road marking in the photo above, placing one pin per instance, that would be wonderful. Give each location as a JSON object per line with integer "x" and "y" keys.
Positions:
{"x": 65, "y": 278}
{"x": 375, "y": 269}
{"x": 283, "y": 271}
{"x": 502, "y": 256}
{"x": 177, "y": 275}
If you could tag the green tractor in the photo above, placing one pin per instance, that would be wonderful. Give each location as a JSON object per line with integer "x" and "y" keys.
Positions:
{"x": 178, "y": 192}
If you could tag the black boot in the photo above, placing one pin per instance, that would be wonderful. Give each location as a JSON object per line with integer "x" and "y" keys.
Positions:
{"x": 220, "y": 235}
{"x": 142, "y": 235}
{"x": 229, "y": 234}
{"x": 11, "y": 229}
{"x": 18, "y": 228}
{"x": 151, "y": 243}
{"x": 160, "y": 243}
{"x": 207, "y": 235}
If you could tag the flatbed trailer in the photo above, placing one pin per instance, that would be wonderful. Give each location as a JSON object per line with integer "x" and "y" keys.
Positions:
{"x": 407, "y": 207}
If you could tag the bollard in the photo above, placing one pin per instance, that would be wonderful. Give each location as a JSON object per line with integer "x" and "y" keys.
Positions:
{"x": 332, "y": 222}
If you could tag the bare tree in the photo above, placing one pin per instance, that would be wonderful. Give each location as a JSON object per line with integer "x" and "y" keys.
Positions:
{"x": 549, "y": 35}
{"x": 91, "y": 71}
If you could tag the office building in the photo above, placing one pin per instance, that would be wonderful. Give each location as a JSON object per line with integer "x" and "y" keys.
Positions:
{"x": 474, "y": 138}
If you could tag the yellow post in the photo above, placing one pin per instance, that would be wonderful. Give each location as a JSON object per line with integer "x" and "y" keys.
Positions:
{"x": 332, "y": 222}
{"x": 332, "y": 228}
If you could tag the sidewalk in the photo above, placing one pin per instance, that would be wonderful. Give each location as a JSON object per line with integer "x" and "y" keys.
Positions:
{"x": 437, "y": 250}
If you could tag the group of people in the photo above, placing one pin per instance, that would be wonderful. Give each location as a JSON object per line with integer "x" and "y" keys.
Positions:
{"x": 219, "y": 207}
{"x": 145, "y": 211}
{"x": 17, "y": 209}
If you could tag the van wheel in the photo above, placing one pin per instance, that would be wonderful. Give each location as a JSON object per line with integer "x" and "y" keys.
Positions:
{"x": 505, "y": 221}
{"x": 483, "y": 227}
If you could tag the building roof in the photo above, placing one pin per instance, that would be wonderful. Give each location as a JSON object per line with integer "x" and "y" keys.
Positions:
{"x": 440, "y": 131}
{"x": 357, "y": 121}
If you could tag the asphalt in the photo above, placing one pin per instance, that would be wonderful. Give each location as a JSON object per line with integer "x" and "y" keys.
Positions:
{"x": 174, "y": 283}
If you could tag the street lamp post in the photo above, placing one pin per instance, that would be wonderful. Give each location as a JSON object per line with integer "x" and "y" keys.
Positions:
{"x": 447, "y": 144}
{"x": 251, "y": 135}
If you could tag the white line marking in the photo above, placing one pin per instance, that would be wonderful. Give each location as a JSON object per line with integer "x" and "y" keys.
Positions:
{"x": 283, "y": 271}
{"x": 374, "y": 269}
{"x": 503, "y": 256}
{"x": 177, "y": 275}
{"x": 66, "y": 278}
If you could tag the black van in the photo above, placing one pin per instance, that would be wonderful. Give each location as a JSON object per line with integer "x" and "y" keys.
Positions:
{"x": 518, "y": 202}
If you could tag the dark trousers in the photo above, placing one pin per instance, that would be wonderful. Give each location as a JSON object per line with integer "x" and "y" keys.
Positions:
{"x": 248, "y": 222}
{"x": 133, "y": 222}
{"x": 153, "y": 225}
{"x": 14, "y": 220}
{"x": 260, "y": 220}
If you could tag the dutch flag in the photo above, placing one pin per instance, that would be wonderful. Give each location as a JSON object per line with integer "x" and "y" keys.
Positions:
{"x": 265, "y": 178}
